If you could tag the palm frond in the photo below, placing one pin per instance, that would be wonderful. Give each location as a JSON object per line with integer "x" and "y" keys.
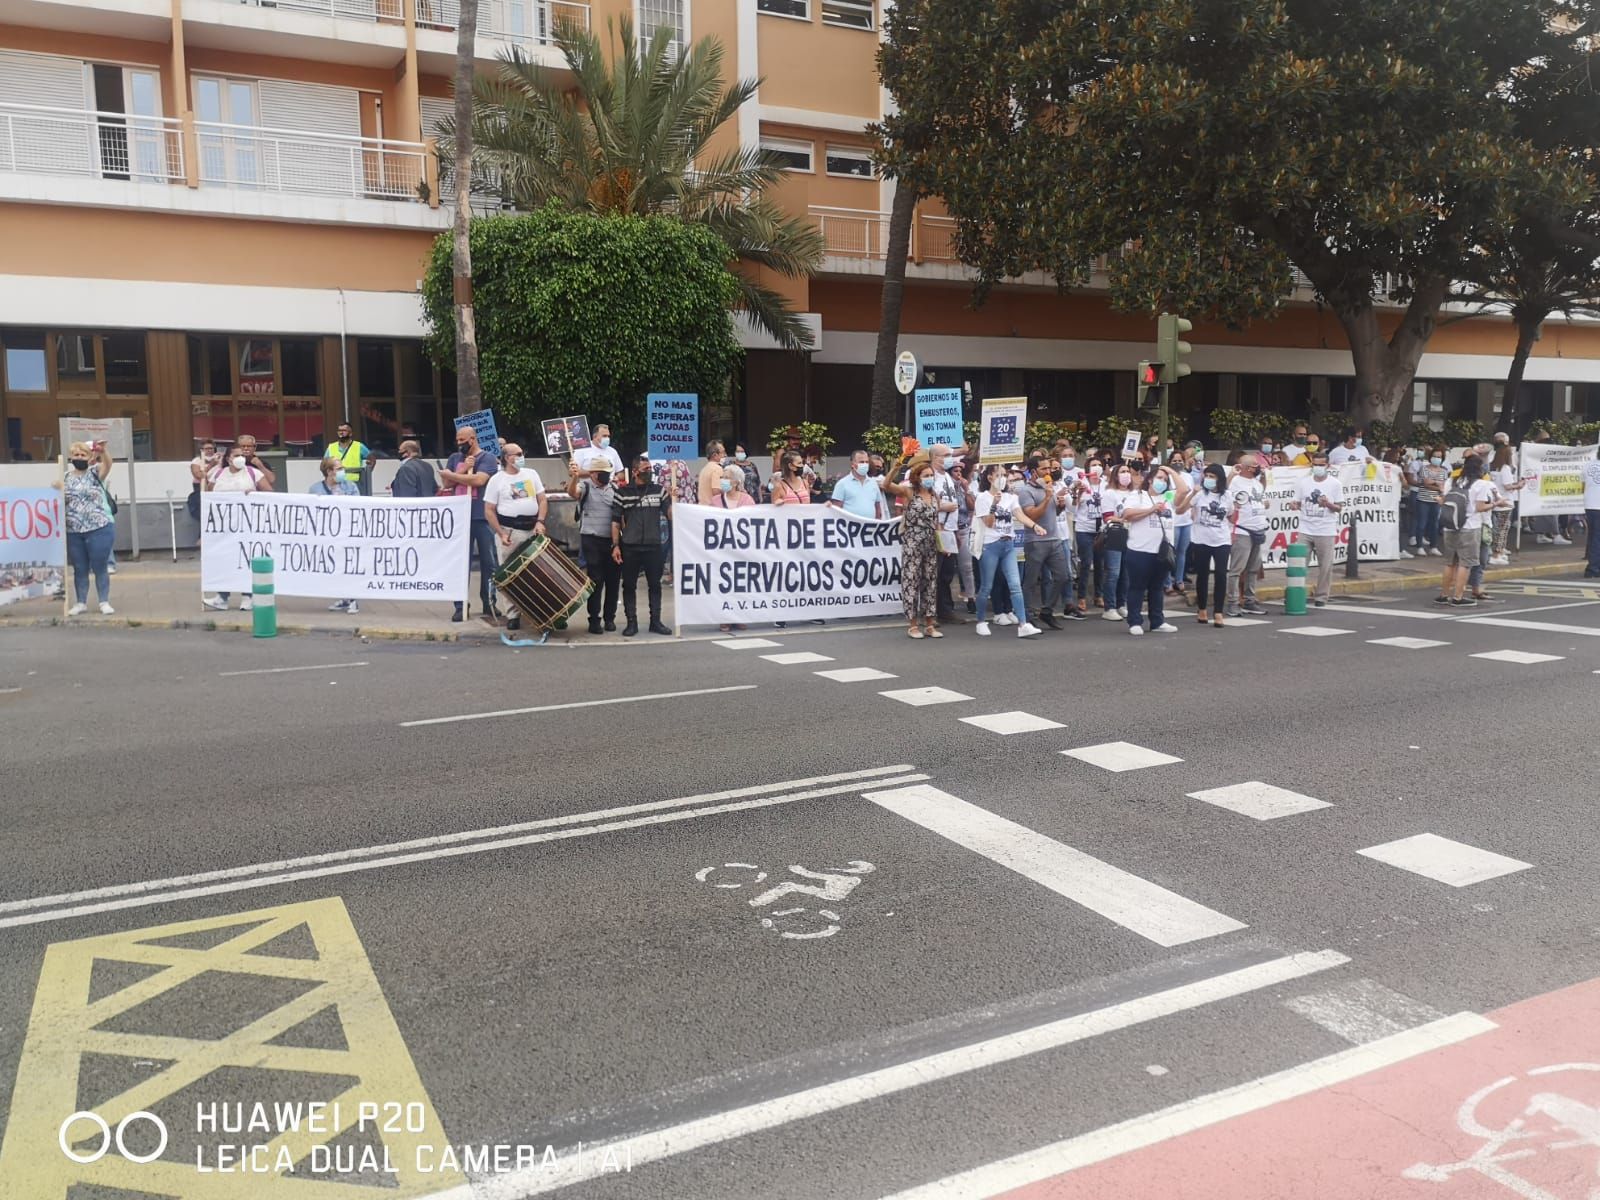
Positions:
{"x": 770, "y": 312}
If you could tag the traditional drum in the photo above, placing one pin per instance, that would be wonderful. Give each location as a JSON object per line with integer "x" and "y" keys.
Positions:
{"x": 543, "y": 583}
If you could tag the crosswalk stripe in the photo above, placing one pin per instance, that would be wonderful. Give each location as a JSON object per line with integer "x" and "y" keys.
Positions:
{"x": 1362, "y": 1011}
{"x": 1007, "y": 723}
{"x": 856, "y": 674}
{"x": 754, "y": 643}
{"x": 1262, "y": 801}
{"x": 1406, "y": 643}
{"x": 1523, "y": 657}
{"x": 799, "y": 656}
{"x": 924, "y": 696}
{"x": 1121, "y": 756}
{"x": 1145, "y": 908}
{"x": 1319, "y": 631}
{"x": 1444, "y": 860}
{"x": 1540, "y": 626}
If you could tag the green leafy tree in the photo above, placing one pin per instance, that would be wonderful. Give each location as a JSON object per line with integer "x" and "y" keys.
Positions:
{"x": 630, "y": 133}
{"x": 1209, "y": 146}
{"x": 584, "y": 313}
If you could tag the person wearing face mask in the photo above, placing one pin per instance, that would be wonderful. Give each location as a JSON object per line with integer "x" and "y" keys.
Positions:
{"x": 1319, "y": 500}
{"x": 919, "y": 548}
{"x": 1302, "y": 455}
{"x": 994, "y": 517}
{"x": 1147, "y": 512}
{"x": 752, "y": 473}
{"x": 1296, "y": 444}
{"x": 1211, "y": 541}
{"x": 235, "y": 475}
{"x": 1085, "y": 498}
{"x": 791, "y": 487}
{"x": 1181, "y": 529}
{"x": 1113, "y": 542}
{"x": 858, "y": 493}
{"x": 1351, "y": 449}
{"x": 1044, "y": 556}
{"x": 515, "y": 507}
{"x": 600, "y": 454}
{"x": 636, "y": 539}
{"x": 468, "y": 472}
{"x": 335, "y": 482}
{"x": 948, "y": 498}
{"x": 415, "y": 478}
{"x": 91, "y": 529}
{"x": 711, "y": 473}
{"x": 1247, "y": 501}
{"x": 1433, "y": 480}
{"x": 596, "y": 509}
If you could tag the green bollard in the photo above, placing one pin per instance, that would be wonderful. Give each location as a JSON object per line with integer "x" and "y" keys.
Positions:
{"x": 1294, "y": 581}
{"x": 263, "y": 603}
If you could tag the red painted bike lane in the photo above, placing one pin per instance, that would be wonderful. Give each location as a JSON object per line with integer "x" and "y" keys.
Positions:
{"x": 1508, "y": 1110}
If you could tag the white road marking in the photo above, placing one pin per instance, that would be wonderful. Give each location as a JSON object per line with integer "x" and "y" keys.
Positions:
{"x": 1524, "y": 657}
{"x": 1243, "y": 622}
{"x": 924, "y": 696}
{"x": 9, "y": 691}
{"x": 1147, "y": 909}
{"x": 1007, "y": 723}
{"x": 754, "y": 643}
{"x": 1362, "y": 1010}
{"x": 1121, "y": 756}
{"x": 799, "y": 656}
{"x": 1517, "y": 612}
{"x": 518, "y": 712}
{"x": 1406, "y": 643}
{"x": 1318, "y": 631}
{"x": 1263, "y": 801}
{"x": 1538, "y": 626}
{"x": 1415, "y": 614}
{"x": 570, "y": 1168}
{"x": 1556, "y": 583}
{"x": 1199, "y": 1113}
{"x": 849, "y": 781}
{"x": 286, "y": 670}
{"x": 1447, "y": 861}
{"x": 856, "y": 674}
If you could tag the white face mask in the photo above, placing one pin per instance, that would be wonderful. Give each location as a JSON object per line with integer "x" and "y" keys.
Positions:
{"x": 1319, "y": 472}
{"x": 1002, "y": 482}
{"x": 238, "y": 462}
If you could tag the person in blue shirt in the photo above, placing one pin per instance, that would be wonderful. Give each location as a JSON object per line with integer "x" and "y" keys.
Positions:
{"x": 859, "y": 494}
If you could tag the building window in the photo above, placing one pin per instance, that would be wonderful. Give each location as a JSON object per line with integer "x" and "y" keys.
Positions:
{"x": 786, "y": 8}
{"x": 848, "y": 160}
{"x": 659, "y": 14}
{"x": 792, "y": 156}
{"x": 299, "y": 359}
{"x": 126, "y": 373}
{"x": 25, "y": 363}
{"x": 847, "y": 13}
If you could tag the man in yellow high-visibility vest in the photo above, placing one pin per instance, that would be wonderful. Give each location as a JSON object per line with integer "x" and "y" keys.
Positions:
{"x": 352, "y": 455}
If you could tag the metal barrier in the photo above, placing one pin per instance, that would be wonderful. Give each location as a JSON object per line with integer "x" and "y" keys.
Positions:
{"x": 41, "y": 140}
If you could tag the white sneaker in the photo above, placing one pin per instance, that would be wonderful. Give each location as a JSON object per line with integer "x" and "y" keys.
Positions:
{"x": 1111, "y": 614}
{"x": 1559, "y": 540}
{"x": 105, "y": 608}
{"x": 1166, "y": 627}
{"x": 111, "y": 568}
{"x": 1500, "y": 561}
{"x": 246, "y": 604}
{"x": 1407, "y": 554}
{"x": 1544, "y": 539}
{"x": 338, "y": 606}
{"x": 981, "y": 629}
{"x": 1435, "y": 552}
{"x": 1027, "y": 629}
{"x": 1136, "y": 630}
{"x": 77, "y": 610}
{"x": 1005, "y": 619}
{"x": 352, "y": 607}
{"x": 1123, "y": 613}
{"x": 214, "y": 603}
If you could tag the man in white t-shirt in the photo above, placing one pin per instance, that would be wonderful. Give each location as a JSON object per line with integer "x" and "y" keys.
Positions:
{"x": 1350, "y": 449}
{"x": 947, "y": 501}
{"x": 1591, "y": 508}
{"x": 1319, "y": 502}
{"x": 1246, "y": 498}
{"x": 236, "y": 475}
{"x": 515, "y": 506}
{"x": 600, "y": 456}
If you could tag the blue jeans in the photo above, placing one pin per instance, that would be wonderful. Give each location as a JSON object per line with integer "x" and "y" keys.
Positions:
{"x": 1426, "y": 529}
{"x": 1000, "y": 557}
{"x": 91, "y": 552}
{"x": 1114, "y": 580}
{"x": 1180, "y": 543}
{"x": 1146, "y": 577}
{"x": 488, "y": 560}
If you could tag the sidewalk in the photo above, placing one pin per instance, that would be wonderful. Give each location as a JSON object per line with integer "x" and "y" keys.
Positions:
{"x": 160, "y": 593}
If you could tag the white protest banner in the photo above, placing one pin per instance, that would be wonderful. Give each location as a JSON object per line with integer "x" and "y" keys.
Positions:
{"x": 341, "y": 547}
{"x": 790, "y": 562}
{"x": 1371, "y": 501}
{"x": 1555, "y": 478}
{"x": 1001, "y": 429}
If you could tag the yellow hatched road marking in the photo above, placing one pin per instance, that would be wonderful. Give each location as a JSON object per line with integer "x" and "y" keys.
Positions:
{"x": 66, "y": 1024}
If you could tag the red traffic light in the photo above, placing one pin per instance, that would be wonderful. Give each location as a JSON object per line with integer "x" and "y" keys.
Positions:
{"x": 1152, "y": 374}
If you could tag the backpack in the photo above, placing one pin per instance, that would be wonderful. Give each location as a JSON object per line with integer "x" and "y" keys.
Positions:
{"x": 1453, "y": 510}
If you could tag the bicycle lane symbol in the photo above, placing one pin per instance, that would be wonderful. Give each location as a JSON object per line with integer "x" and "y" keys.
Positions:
{"x": 1546, "y": 1122}
{"x": 797, "y": 922}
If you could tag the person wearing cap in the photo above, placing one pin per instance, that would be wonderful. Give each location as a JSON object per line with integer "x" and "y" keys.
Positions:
{"x": 515, "y": 506}
{"x": 636, "y": 542}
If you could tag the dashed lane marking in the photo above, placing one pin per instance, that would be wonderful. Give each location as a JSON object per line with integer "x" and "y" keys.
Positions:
{"x": 289, "y": 969}
{"x": 1537, "y": 626}
{"x": 924, "y": 696}
{"x": 1444, "y": 860}
{"x": 287, "y": 670}
{"x": 540, "y": 708}
{"x": 1261, "y": 801}
{"x": 1406, "y": 643}
{"x": 1121, "y": 756}
{"x": 1007, "y": 723}
{"x": 1523, "y": 657}
{"x": 799, "y": 656}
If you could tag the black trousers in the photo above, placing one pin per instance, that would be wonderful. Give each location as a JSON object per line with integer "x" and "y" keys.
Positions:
{"x": 947, "y": 572}
{"x": 648, "y": 560}
{"x": 605, "y": 573}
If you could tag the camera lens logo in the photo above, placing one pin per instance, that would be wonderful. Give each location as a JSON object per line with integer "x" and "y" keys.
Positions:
{"x": 106, "y": 1137}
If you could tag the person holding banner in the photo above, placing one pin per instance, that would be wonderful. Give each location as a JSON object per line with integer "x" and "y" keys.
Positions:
{"x": 993, "y": 518}
{"x": 336, "y": 482}
{"x": 1321, "y": 499}
{"x": 1248, "y": 498}
{"x": 636, "y": 543}
{"x": 237, "y": 474}
{"x": 90, "y": 528}
{"x": 1591, "y": 512}
{"x": 1504, "y": 474}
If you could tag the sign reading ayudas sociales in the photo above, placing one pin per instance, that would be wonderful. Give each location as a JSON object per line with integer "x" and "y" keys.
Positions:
{"x": 791, "y": 562}
{"x": 340, "y": 547}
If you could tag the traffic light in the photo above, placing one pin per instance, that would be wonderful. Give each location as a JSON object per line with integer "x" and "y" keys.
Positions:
{"x": 1171, "y": 347}
{"x": 1151, "y": 388}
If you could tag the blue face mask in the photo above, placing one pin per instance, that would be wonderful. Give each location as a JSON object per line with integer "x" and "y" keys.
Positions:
{"x": 1158, "y": 487}
{"x": 927, "y": 482}
{"x": 604, "y": 442}
{"x": 518, "y": 463}
{"x": 1068, "y": 463}
{"x": 861, "y": 469}
{"x": 725, "y": 484}
{"x": 949, "y": 461}
{"x": 1359, "y": 441}
{"x": 1209, "y": 483}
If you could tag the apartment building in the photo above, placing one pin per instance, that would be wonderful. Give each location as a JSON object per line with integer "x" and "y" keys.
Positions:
{"x": 214, "y": 216}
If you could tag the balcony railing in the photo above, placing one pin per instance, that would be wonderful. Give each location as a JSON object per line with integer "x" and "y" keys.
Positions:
{"x": 862, "y": 233}
{"x": 359, "y": 10}
{"x": 287, "y": 160}
{"x": 531, "y": 22}
{"x": 37, "y": 140}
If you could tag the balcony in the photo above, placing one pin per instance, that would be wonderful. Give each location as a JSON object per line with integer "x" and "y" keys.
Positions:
{"x": 38, "y": 140}
{"x": 523, "y": 22}
{"x": 359, "y": 10}
{"x": 861, "y": 235}
{"x": 313, "y": 164}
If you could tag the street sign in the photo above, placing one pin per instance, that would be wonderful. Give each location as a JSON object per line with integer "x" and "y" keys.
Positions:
{"x": 905, "y": 372}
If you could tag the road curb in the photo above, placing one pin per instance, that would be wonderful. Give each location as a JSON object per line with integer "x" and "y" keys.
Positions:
{"x": 1367, "y": 587}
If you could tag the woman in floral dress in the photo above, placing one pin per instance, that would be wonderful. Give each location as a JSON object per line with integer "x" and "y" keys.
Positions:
{"x": 919, "y": 549}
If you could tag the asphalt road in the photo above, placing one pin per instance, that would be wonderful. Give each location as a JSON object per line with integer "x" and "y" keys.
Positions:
{"x": 554, "y": 927}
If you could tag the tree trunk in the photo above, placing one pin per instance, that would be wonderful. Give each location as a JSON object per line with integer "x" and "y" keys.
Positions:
{"x": 1386, "y": 368}
{"x": 1516, "y": 410}
{"x": 887, "y": 405}
{"x": 469, "y": 388}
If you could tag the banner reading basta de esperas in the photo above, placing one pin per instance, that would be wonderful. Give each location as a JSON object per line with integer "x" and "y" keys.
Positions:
{"x": 341, "y": 547}
{"x": 790, "y": 562}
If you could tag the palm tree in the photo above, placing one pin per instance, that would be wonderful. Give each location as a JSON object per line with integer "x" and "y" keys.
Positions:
{"x": 633, "y": 136}
{"x": 469, "y": 387}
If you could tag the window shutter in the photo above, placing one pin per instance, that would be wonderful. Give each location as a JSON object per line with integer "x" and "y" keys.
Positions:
{"x": 39, "y": 141}
{"x": 309, "y": 163}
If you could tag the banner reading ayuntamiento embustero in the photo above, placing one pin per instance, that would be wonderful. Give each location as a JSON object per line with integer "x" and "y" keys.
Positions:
{"x": 791, "y": 562}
